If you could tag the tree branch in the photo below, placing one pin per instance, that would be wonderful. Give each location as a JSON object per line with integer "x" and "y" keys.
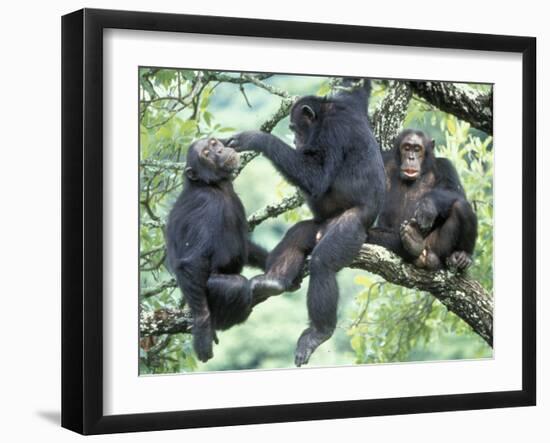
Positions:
{"x": 166, "y": 284}
{"x": 162, "y": 164}
{"x": 270, "y": 211}
{"x": 239, "y": 80}
{"x": 463, "y": 102}
{"x": 267, "y": 126}
{"x": 387, "y": 120}
{"x": 164, "y": 321}
{"x": 460, "y": 294}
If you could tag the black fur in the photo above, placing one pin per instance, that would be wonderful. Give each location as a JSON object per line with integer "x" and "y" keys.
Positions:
{"x": 338, "y": 166}
{"x": 208, "y": 244}
{"x": 426, "y": 218}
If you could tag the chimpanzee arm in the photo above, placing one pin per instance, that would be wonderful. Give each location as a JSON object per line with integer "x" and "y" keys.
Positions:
{"x": 333, "y": 159}
{"x": 438, "y": 202}
{"x": 300, "y": 169}
{"x": 447, "y": 178}
{"x": 192, "y": 276}
{"x": 257, "y": 256}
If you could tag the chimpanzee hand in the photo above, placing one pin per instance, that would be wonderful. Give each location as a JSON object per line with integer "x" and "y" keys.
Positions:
{"x": 425, "y": 214}
{"x": 246, "y": 141}
{"x": 459, "y": 261}
{"x": 203, "y": 337}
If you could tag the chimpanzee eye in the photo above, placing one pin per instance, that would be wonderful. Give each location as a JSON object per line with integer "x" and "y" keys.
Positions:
{"x": 213, "y": 141}
{"x": 205, "y": 152}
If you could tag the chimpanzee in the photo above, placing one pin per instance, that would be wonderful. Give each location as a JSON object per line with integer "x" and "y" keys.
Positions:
{"x": 426, "y": 218}
{"x": 338, "y": 166}
{"x": 208, "y": 244}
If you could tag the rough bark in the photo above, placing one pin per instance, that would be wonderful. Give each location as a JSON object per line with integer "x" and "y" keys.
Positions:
{"x": 462, "y": 102}
{"x": 164, "y": 321}
{"x": 460, "y": 294}
{"x": 387, "y": 120}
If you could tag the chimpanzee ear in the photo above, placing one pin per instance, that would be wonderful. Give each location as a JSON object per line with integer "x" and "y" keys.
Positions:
{"x": 190, "y": 173}
{"x": 307, "y": 111}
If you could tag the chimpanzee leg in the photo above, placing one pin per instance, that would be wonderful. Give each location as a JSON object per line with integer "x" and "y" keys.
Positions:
{"x": 458, "y": 233}
{"x": 412, "y": 240}
{"x": 387, "y": 238}
{"x": 339, "y": 245}
{"x": 286, "y": 262}
{"x": 428, "y": 259}
{"x": 468, "y": 226}
{"x": 453, "y": 242}
{"x": 229, "y": 299}
{"x": 443, "y": 240}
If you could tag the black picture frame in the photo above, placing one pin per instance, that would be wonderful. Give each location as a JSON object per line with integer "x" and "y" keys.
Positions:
{"x": 82, "y": 220}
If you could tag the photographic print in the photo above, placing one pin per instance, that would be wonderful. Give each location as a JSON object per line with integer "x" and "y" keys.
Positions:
{"x": 303, "y": 220}
{"x": 235, "y": 222}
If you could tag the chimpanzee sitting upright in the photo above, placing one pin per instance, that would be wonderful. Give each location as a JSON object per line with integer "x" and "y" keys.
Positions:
{"x": 338, "y": 166}
{"x": 208, "y": 245}
{"x": 426, "y": 218}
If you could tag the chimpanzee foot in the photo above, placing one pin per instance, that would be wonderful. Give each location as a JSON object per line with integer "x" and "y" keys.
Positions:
{"x": 203, "y": 337}
{"x": 459, "y": 261}
{"x": 412, "y": 238}
{"x": 428, "y": 260}
{"x": 310, "y": 340}
{"x": 263, "y": 287}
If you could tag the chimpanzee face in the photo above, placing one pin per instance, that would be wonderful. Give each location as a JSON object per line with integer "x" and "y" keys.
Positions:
{"x": 214, "y": 155}
{"x": 210, "y": 161}
{"x": 412, "y": 151}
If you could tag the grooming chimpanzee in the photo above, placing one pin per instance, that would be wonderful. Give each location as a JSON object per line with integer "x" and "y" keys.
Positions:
{"x": 426, "y": 218}
{"x": 208, "y": 245}
{"x": 337, "y": 164}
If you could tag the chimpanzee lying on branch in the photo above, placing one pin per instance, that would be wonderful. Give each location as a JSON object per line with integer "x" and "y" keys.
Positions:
{"x": 426, "y": 218}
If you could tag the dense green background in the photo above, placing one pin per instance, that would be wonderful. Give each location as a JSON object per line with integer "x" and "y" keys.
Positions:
{"x": 378, "y": 322}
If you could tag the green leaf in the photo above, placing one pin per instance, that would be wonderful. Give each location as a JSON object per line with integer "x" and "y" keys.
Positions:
{"x": 451, "y": 126}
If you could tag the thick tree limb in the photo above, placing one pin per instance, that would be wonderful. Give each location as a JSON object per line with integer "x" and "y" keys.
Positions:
{"x": 460, "y": 294}
{"x": 463, "y": 102}
{"x": 164, "y": 321}
{"x": 387, "y": 120}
